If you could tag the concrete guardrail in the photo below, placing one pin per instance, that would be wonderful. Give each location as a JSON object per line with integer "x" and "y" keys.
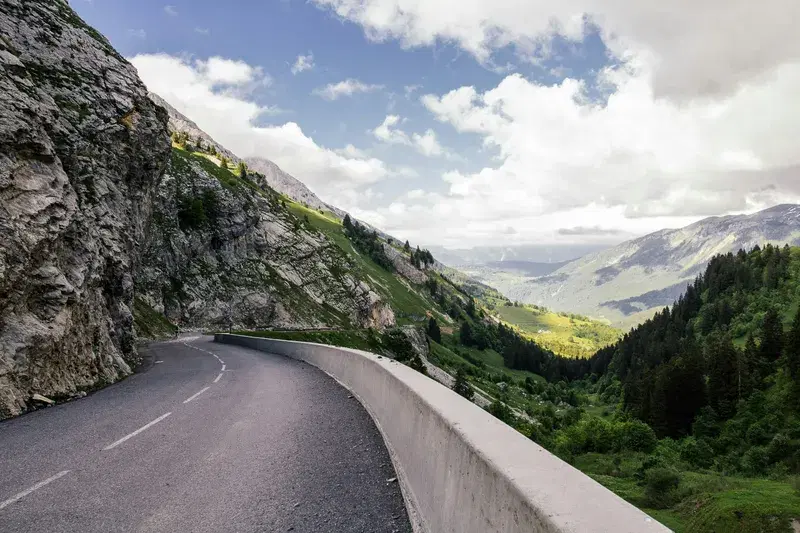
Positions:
{"x": 461, "y": 470}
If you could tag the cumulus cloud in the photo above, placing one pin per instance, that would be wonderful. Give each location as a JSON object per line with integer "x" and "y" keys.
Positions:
{"x": 695, "y": 48}
{"x": 201, "y": 89}
{"x": 303, "y": 63}
{"x": 202, "y": 31}
{"x": 389, "y": 133}
{"x": 631, "y": 165}
{"x": 171, "y": 11}
{"x": 426, "y": 144}
{"x": 348, "y": 87}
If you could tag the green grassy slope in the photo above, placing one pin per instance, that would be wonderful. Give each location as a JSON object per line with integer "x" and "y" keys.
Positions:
{"x": 563, "y": 334}
{"x": 410, "y": 303}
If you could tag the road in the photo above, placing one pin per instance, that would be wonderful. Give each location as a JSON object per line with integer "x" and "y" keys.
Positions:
{"x": 211, "y": 438}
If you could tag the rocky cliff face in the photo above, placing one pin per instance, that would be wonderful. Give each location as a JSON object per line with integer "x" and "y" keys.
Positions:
{"x": 81, "y": 151}
{"x": 223, "y": 250}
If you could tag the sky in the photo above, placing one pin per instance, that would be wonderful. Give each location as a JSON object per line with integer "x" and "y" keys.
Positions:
{"x": 490, "y": 122}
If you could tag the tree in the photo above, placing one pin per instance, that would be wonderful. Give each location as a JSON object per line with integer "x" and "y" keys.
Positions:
{"x": 771, "y": 346}
{"x": 241, "y": 169}
{"x": 723, "y": 382}
{"x": 347, "y": 222}
{"x": 433, "y": 330}
{"x": 199, "y": 143}
{"x": 465, "y": 334}
{"x": 471, "y": 311}
{"x": 792, "y": 355}
{"x": 461, "y": 386}
{"x": 223, "y": 162}
{"x": 407, "y": 247}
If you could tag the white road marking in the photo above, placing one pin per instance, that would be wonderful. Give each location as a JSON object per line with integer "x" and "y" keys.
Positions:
{"x": 193, "y": 396}
{"x": 159, "y": 362}
{"x": 223, "y": 368}
{"x": 130, "y": 435}
{"x": 38, "y": 486}
{"x": 217, "y": 378}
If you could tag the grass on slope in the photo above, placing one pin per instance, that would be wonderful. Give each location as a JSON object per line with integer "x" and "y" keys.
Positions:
{"x": 408, "y": 304}
{"x": 149, "y": 323}
{"x": 567, "y": 335}
{"x": 359, "y": 339}
{"x": 708, "y": 501}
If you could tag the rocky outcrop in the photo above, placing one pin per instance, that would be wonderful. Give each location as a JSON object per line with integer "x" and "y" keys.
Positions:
{"x": 81, "y": 151}
{"x": 223, "y": 251}
{"x": 403, "y": 266}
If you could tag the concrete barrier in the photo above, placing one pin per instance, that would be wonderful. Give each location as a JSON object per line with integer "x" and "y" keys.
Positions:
{"x": 461, "y": 469}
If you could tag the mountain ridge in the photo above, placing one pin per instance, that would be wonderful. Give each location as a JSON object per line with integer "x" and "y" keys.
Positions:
{"x": 627, "y": 282}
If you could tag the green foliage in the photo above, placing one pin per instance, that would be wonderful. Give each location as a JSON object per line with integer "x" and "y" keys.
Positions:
{"x": 397, "y": 342}
{"x": 461, "y": 386}
{"x": 661, "y": 487}
{"x": 367, "y": 242}
{"x": 433, "y": 330}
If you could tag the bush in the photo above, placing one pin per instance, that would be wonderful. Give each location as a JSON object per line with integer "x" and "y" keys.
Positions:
{"x": 636, "y": 436}
{"x": 697, "y": 452}
{"x": 755, "y": 460}
{"x": 397, "y": 342}
{"x": 661, "y": 487}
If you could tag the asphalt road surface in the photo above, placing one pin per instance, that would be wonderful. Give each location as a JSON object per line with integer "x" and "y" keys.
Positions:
{"x": 211, "y": 438}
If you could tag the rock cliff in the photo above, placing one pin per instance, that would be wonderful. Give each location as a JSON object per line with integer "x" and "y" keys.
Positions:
{"x": 81, "y": 151}
{"x": 223, "y": 251}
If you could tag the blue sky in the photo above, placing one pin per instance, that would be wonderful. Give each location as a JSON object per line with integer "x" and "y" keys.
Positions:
{"x": 540, "y": 121}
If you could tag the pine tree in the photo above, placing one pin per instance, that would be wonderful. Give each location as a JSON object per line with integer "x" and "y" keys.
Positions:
{"x": 223, "y": 162}
{"x": 461, "y": 386}
{"x": 347, "y": 222}
{"x": 792, "y": 356}
{"x": 465, "y": 334}
{"x": 433, "y": 330}
{"x": 723, "y": 383}
{"x": 407, "y": 247}
{"x": 471, "y": 311}
{"x": 771, "y": 346}
{"x": 241, "y": 169}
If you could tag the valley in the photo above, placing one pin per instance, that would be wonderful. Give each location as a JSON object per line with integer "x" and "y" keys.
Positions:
{"x": 666, "y": 367}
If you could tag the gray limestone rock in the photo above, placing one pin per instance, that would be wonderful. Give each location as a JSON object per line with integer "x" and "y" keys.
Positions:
{"x": 81, "y": 151}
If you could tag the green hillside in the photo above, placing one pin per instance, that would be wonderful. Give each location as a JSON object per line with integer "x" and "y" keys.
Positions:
{"x": 562, "y": 333}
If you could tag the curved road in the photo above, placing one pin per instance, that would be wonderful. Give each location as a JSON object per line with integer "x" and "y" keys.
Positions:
{"x": 212, "y": 438}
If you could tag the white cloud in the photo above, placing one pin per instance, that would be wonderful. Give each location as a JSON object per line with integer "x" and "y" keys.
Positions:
{"x": 694, "y": 47}
{"x": 171, "y": 11}
{"x": 426, "y": 144}
{"x": 348, "y": 87}
{"x": 303, "y": 63}
{"x": 388, "y": 133}
{"x": 202, "y": 31}
{"x": 635, "y": 165}
{"x": 352, "y": 152}
{"x": 411, "y": 89}
{"x": 193, "y": 88}
{"x": 137, "y": 33}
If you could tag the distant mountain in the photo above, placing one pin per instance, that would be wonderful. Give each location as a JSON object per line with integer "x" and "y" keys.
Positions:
{"x": 287, "y": 184}
{"x": 276, "y": 178}
{"x": 493, "y": 256}
{"x": 628, "y": 282}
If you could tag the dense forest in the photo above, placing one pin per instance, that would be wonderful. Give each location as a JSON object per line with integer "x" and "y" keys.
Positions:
{"x": 721, "y": 365}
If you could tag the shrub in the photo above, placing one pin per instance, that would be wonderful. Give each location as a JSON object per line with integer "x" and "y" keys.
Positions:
{"x": 661, "y": 487}
{"x": 697, "y": 452}
{"x": 397, "y": 342}
{"x": 755, "y": 460}
{"x": 636, "y": 436}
